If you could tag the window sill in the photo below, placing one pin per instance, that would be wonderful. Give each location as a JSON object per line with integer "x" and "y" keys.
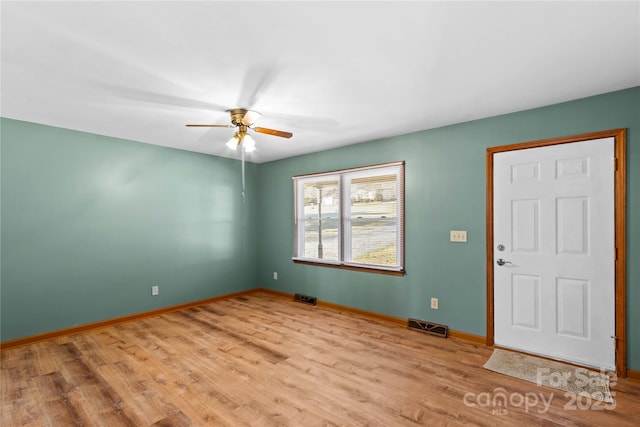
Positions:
{"x": 351, "y": 267}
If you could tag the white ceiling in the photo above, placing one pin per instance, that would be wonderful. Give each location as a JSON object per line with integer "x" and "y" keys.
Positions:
{"x": 333, "y": 73}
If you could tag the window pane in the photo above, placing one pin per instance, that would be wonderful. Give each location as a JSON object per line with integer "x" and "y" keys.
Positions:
{"x": 322, "y": 220}
{"x": 321, "y": 240}
{"x": 374, "y": 242}
{"x": 374, "y": 220}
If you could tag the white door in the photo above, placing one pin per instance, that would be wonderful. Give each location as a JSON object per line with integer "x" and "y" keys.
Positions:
{"x": 554, "y": 254}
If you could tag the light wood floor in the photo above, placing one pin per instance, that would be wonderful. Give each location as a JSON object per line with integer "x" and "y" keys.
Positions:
{"x": 261, "y": 360}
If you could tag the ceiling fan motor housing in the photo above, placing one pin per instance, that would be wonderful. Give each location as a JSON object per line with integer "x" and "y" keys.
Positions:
{"x": 238, "y": 116}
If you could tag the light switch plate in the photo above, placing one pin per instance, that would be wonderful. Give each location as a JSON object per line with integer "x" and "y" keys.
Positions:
{"x": 458, "y": 235}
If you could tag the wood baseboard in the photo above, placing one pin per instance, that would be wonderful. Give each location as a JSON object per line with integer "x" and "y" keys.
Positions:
{"x": 476, "y": 339}
{"x": 273, "y": 292}
{"x": 633, "y": 374}
{"x": 373, "y": 315}
{"x": 6, "y": 345}
{"x": 344, "y": 308}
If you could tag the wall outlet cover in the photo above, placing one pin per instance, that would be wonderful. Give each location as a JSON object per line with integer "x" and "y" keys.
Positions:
{"x": 458, "y": 235}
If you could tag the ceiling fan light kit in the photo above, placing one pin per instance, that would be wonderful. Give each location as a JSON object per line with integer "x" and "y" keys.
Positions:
{"x": 234, "y": 142}
{"x": 242, "y": 137}
{"x": 248, "y": 143}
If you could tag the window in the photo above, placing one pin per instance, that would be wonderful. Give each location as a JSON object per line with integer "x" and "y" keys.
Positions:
{"x": 351, "y": 218}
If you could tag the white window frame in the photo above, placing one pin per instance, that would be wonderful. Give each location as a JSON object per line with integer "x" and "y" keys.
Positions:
{"x": 344, "y": 177}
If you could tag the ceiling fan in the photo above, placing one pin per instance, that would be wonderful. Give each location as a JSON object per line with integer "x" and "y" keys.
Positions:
{"x": 244, "y": 119}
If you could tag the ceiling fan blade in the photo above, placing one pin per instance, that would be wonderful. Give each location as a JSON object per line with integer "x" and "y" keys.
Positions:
{"x": 161, "y": 98}
{"x": 307, "y": 122}
{"x": 274, "y": 132}
{"x": 256, "y": 80}
{"x": 207, "y": 126}
{"x": 250, "y": 117}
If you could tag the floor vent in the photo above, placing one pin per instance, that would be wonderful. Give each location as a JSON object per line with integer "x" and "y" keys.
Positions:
{"x": 305, "y": 299}
{"x": 428, "y": 327}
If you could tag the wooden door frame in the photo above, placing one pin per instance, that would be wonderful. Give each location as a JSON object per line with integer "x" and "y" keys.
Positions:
{"x": 620, "y": 202}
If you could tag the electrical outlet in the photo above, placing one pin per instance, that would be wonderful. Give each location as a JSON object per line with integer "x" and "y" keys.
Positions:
{"x": 458, "y": 235}
{"x": 155, "y": 290}
{"x": 275, "y": 275}
{"x": 434, "y": 303}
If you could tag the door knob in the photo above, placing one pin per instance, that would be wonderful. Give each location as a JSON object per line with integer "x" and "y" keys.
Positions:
{"x": 502, "y": 262}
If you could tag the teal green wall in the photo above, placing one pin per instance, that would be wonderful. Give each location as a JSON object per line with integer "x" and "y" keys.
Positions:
{"x": 445, "y": 190}
{"x": 90, "y": 223}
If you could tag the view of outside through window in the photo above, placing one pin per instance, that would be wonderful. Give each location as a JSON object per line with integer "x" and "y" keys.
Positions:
{"x": 322, "y": 220}
{"x": 371, "y": 223}
{"x": 373, "y": 220}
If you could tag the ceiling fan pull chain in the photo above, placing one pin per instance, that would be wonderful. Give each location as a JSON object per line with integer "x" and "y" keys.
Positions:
{"x": 242, "y": 150}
